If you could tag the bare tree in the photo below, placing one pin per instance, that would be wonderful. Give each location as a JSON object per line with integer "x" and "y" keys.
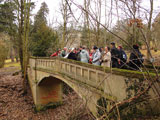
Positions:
{"x": 65, "y": 14}
{"x": 86, "y": 21}
{"x": 149, "y": 37}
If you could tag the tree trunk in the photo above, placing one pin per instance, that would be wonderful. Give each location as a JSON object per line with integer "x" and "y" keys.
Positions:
{"x": 149, "y": 37}
{"x": 65, "y": 20}
{"x": 12, "y": 54}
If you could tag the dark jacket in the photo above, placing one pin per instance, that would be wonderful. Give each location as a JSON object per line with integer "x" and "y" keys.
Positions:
{"x": 63, "y": 53}
{"x": 136, "y": 59}
{"x": 72, "y": 56}
{"x": 114, "y": 57}
{"x": 78, "y": 55}
{"x": 123, "y": 58}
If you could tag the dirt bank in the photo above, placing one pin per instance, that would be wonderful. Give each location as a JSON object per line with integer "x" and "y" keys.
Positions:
{"x": 16, "y": 106}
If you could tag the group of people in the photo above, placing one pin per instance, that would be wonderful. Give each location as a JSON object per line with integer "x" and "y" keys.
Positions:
{"x": 105, "y": 56}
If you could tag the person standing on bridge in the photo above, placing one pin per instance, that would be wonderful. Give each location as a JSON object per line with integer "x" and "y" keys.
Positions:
{"x": 96, "y": 56}
{"x": 114, "y": 56}
{"x": 84, "y": 55}
{"x": 91, "y": 56}
{"x": 78, "y": 53}
{"x": 64, "y": 52}
{"x": 106, "y": 59}
{"x": 136, "y": 58}
{"x": 102, "y": 51}
{"x": 56, "y": 53}
{"x": 122, "y": 57}
{"x": 72, "y": 54}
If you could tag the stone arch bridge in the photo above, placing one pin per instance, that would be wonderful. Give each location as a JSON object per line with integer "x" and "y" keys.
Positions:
{"x": 90, "y": 82}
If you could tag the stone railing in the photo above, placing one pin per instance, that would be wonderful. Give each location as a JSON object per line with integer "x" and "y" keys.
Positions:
{"x": 80, "y": 69}
{"x": 85, "y": 73}
{"x": 101, "y": 78}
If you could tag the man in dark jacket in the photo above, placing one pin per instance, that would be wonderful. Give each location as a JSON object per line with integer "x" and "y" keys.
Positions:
{"x": 72, "y": 55}
{"x": 136, "y": 58}
{"x": 78, "y": 53}
{"x": 122, "y": 57}
{"x": 114, "y": 56}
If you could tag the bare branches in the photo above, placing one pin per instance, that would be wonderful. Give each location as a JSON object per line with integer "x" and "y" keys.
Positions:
{"x": 132, "y": 11}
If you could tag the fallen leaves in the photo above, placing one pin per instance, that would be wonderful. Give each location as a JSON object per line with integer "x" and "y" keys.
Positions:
{"x": 15, "y": 106}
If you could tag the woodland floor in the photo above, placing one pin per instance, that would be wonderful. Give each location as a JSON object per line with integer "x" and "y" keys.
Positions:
{"x": 16, "y": 106}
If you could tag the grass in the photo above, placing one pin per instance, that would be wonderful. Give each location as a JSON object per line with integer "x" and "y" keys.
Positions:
{"x": 155, "y": 54}
{"x": 8, "y": 63}
{"x": 14, "y": 64}
{"x": 9, "y": 60}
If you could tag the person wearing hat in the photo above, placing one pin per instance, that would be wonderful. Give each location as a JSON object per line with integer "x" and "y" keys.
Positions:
{"x": 136, "y": 58}
{"x": 96, "y": 56}
{"x": 114, "y": 55}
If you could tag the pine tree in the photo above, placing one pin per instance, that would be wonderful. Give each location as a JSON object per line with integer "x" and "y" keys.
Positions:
{"x": 43, "y": 37}
{"x": 41, "y": 17}
{"x": 7, "y": 17}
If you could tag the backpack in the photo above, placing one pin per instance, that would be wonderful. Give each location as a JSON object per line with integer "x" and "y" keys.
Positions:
{"x": 141, "y": 59}
{"x": 124, "y": 56}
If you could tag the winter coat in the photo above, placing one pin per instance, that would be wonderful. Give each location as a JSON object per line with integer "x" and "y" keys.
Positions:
{"x": 72, "y": 56}
{"x": 114, "y": 57}
{"x": 55, "y": 54}
{"x": 106, "y": 59}
{"x": 84, "y": 56}
{"x": 90, "y": 58}
{"x": 63, "y": 53}
{"x": 96, "y": 58}
{"x": 78, "y": 55}
{"x": 136, "y": 59}
{"x": 123, "y": 56}
{"x": 123, "y": 59}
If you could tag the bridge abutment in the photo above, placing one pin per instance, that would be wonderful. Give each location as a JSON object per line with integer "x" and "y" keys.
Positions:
{"x": 48, "y": 93}
{"x": 46, "y": 90}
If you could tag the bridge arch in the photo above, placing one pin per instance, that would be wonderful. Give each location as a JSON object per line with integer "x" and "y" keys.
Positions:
{"x": 49, "y": 90}
{"x": 48, "y": 80}
{"x": 48, "y": 86}
{"x": 54, "y": 82}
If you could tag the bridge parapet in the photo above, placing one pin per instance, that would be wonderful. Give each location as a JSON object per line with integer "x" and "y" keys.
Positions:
{"x": 77, "y": 72}
{"x": 102, "y": 78}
